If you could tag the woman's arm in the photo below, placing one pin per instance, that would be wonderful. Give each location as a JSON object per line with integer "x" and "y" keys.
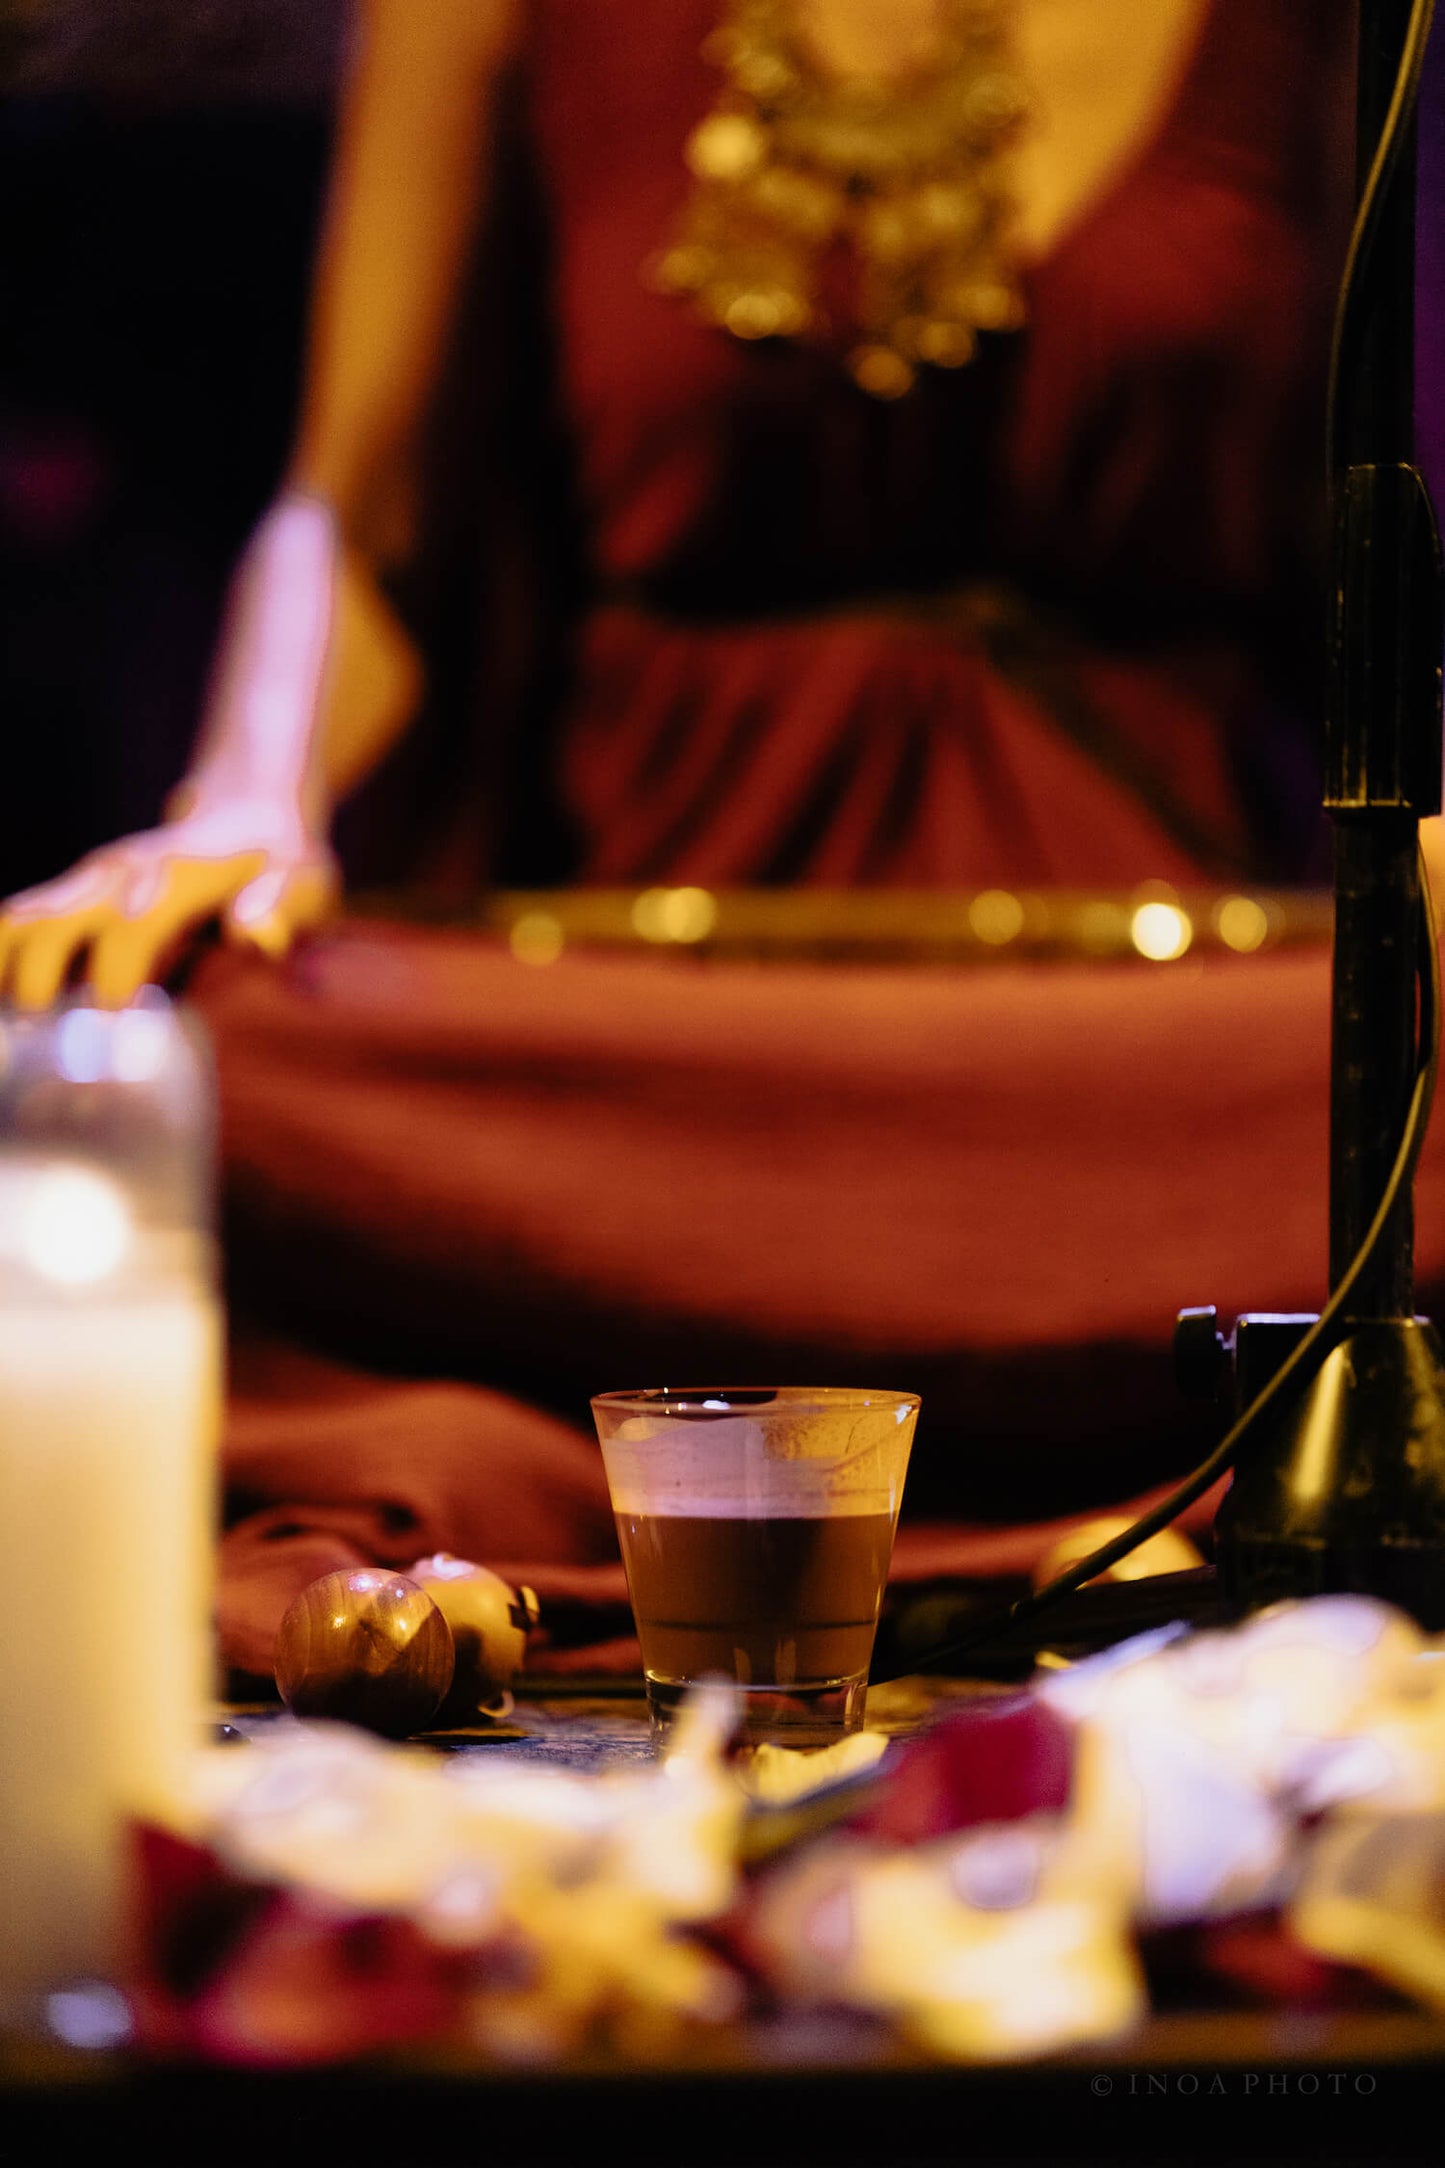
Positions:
{"x": 316, "y": 676}
{"x": 406, "y": 197}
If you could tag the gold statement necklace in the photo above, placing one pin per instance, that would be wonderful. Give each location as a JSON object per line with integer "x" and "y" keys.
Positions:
{"x": 869, "y": 210}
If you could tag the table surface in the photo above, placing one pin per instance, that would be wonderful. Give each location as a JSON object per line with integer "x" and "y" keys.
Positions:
{"x": 591, "y": 1725}
{"x": 1328, "y": 2086}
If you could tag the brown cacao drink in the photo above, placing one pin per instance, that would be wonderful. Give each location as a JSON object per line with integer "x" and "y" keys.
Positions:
{"x": 771, "y": 1602}
{"x": 756, "y": 1529}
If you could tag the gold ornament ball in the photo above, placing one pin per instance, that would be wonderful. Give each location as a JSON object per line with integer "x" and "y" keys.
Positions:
{"x": 365, "y": 1647}
{"x": 489, "y": 1622}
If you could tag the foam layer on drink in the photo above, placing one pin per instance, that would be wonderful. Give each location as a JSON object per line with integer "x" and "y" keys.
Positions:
{"x": 784, "y": 1467}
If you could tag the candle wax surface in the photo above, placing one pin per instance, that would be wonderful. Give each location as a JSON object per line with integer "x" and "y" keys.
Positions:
{"x": 108, "y": 1422}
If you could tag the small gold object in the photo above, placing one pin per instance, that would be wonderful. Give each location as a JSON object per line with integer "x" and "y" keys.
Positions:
{"x": 874, "y": 212}
{"x": 1169, "y": 1551}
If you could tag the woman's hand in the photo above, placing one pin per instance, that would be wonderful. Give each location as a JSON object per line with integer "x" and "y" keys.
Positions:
{"x": 315, "y": 678}
{"x": 251, "y": 864}
{"x": 318, "y": 676}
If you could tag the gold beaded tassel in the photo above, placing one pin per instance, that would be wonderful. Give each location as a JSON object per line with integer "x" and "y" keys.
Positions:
{"x": 909, "y": 175}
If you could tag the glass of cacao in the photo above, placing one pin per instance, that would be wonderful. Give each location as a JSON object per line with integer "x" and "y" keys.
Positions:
{"x": 756, "y": 1525}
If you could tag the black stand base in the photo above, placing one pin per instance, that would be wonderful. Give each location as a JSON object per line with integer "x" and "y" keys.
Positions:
{"x": 1348, "y": 1493}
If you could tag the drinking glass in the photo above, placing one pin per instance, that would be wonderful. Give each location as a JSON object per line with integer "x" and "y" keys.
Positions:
{"x": 756, "y": 1525}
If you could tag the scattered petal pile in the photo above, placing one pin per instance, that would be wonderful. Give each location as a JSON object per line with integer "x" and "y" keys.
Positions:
{"x": 1262, "y": 1807}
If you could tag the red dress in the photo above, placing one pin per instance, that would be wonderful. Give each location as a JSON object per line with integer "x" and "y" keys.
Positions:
{"x": 1101, "y": 536}
{"x": 1049, "y": 618}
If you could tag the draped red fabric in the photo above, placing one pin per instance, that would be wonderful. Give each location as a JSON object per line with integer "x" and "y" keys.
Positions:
{"x": 456, "y": 1173}
{"x": 1049, "y": 618}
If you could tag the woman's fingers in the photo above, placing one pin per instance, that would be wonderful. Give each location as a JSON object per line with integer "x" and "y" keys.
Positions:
{"x": 43, "y": 928}
{"x": 131, "y": 909}
{"x": 125, "y": 956}
{"x": 39, "y": 953}
{"x": 271, "y": 910}
{"x": 167, "y": 901}
{"x": 128, "y": 910}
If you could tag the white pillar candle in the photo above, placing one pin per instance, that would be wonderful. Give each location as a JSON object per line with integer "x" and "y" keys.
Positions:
{"x": 107, "y": 1419}
{"x": 109, "y": 1399}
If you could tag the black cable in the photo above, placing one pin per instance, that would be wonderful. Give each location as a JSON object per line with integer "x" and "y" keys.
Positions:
{"x": 1398, "y": 117}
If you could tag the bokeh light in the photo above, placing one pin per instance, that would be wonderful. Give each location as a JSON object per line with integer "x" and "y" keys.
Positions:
{"x": 537, "y": 938}
{"x": 674, "y": 914}
{"x": 996, "y": 917}
{"x": 75, "y": 1226}
{"x": 1160, "y": 931}
{"x": 1242, "y": 924}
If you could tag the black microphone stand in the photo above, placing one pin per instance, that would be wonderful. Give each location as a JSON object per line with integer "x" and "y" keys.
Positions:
{"x": 1347, "y": 1490}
